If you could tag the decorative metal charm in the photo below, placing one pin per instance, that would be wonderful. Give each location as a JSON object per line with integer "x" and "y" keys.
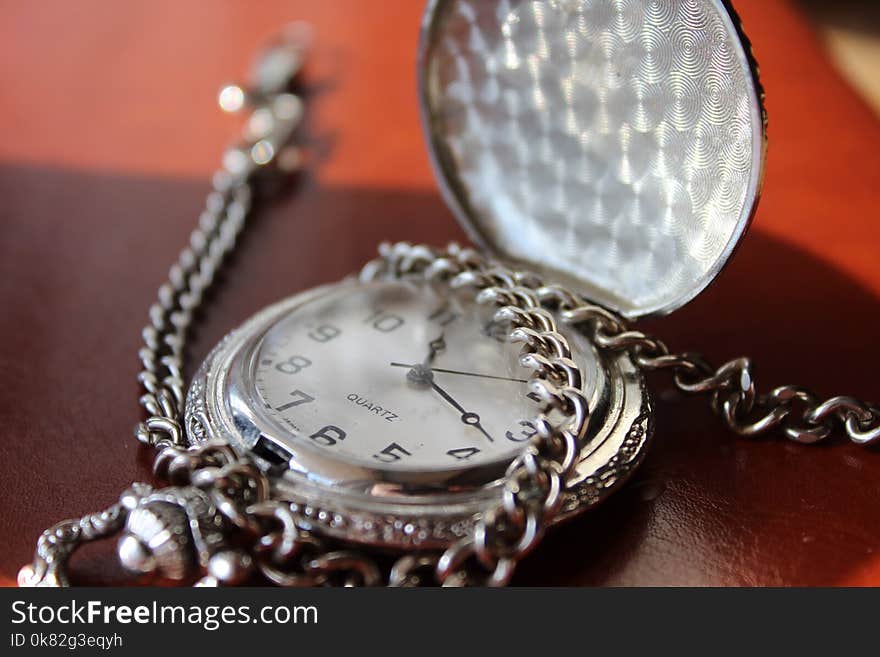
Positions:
{"x": 170, "y": 532}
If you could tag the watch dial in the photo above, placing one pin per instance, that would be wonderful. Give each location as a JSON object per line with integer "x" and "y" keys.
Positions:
{"x": 395, "y": 376}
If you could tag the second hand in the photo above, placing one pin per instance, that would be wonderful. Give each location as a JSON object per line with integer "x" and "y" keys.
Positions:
{"x": 460, "y": 373}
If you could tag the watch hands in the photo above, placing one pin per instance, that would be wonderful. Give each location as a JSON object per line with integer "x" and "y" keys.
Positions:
{"x": 460, "y": 373}
{"x": 423, "y": 377}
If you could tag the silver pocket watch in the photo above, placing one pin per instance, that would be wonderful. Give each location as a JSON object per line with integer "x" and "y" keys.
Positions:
{"x": 428, "y": 420}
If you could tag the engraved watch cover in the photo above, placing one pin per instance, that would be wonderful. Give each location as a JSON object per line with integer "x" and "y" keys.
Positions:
{"x": 616, "y": 144}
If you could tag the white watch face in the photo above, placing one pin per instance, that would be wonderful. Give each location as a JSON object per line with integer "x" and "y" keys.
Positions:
{"x": 394, "y": 376}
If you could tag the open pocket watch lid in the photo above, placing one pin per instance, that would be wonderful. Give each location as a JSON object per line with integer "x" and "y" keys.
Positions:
{"x": 615, "y": 145}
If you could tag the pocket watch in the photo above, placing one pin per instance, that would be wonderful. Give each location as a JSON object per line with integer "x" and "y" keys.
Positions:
{"x": 428, "y": 420}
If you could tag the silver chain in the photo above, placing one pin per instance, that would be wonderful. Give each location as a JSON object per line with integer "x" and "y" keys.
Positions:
{"x": 170, "y": 317}
{"x": 214, "y": 485}
{"x": 800, "y": 414}
{"x": 275, "y": 115}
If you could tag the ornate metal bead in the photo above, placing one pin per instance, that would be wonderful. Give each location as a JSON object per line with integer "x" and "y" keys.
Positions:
{"x": 171, "y": 533}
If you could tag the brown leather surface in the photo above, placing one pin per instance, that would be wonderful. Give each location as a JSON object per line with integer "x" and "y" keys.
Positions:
{"x": 110, "y": 135}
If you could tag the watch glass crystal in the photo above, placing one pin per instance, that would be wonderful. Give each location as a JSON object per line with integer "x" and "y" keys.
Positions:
{"x": 396, "y": 376}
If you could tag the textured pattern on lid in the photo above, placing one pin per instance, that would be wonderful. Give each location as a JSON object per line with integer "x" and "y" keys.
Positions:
{"x": 617, "y": 142}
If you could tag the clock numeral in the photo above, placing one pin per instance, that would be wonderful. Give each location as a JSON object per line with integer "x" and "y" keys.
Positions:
{"x": 329, "y": 435}
{"x": 293, "y": 364}
{"x": 384, "y": 322}
{"x": 392, "y": 453}
{"x": 463, "y": 453}
{"x": 524, "y": 434}
{"x": 300, "y": 398}
{"x": 443, "y": 316}
{"x": 436, "y": 346}
{"x": 324, "y": 333}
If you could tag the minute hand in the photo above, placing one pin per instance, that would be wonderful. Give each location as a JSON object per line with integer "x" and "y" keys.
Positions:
{"x": 467, "y": 417}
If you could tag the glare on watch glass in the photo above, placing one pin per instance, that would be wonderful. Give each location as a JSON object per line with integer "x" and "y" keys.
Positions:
{"x": 394, "y": 375}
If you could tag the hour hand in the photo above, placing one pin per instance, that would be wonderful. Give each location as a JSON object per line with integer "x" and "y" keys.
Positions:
{"x": 435, "y": 347}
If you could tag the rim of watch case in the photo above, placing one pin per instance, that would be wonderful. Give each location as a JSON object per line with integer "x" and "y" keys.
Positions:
{"x": 616, "y": 147}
